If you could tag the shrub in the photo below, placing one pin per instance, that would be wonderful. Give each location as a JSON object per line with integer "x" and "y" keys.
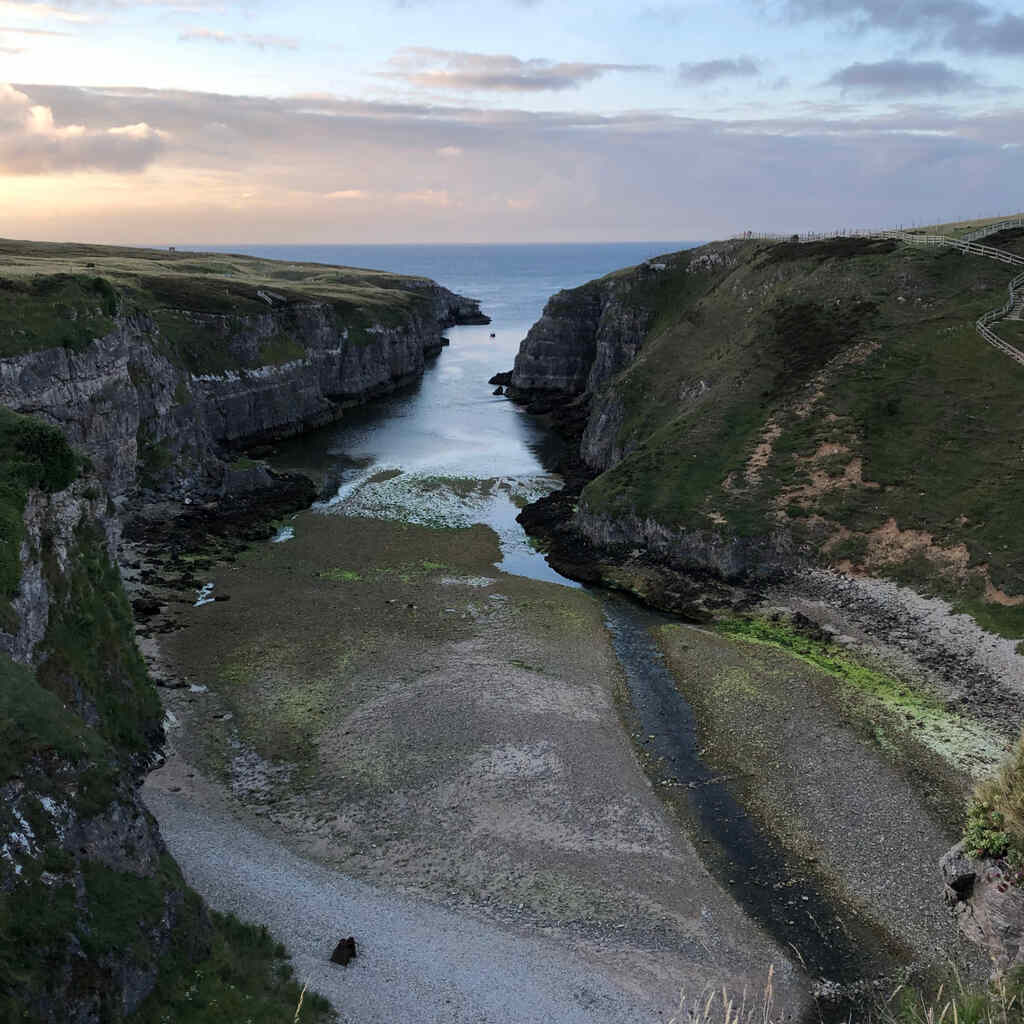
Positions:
{"x": 995, "y": 819}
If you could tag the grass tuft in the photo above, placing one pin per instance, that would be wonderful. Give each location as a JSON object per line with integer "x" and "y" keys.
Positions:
{"x": 995, "y": 819}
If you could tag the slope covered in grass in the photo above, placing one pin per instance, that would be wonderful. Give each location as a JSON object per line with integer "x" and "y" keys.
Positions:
{"x": 837, "y": 392}
{"x": 68, "y": 294}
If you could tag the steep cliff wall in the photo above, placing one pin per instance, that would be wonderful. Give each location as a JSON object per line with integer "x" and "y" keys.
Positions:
{"x": 752, "y": 408}
{"x": 175, "y": 358}
{"x": 90, "y": 902}
{"x": 142, "y": 371}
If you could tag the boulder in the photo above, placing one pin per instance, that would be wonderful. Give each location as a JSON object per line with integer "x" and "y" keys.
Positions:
{"x": 989, "y": 905}
{"x": 344, "y": 951}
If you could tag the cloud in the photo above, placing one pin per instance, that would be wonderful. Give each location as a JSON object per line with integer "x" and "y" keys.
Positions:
{"x": 900, "y": 78}
{"x": 261, "y": 42}
{"x": 33, "y": 142}
{"x": 963, "y": 26}
{"x": 589, "y": 177}
{"x": 15, "y": 30}
{"x": 707, "y": 71}
{"x": 427, "y": 197}
{"x": 456, "y": 70}
{"x": 43, "y": 10}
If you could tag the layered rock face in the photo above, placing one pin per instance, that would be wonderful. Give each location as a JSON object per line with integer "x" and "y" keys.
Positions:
{"x": 989, "y": 906}
{"x": 91, "y": 904}
{"x": 583, "y": 338}
{"x": 93, "y": 910}
{"x": 143, "y": 418}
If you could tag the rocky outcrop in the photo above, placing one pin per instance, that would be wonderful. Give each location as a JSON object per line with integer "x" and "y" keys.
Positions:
{"x": 149, "y": 416}
{"x": 92, "y": 904}
{"x": 989, "y": 905}
{"x": 729, "y": 557}
{"x": 583, "y": 338}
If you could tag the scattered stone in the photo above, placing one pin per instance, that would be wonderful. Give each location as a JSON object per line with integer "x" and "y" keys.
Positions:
{"x": 145, "y": 607}
{"x": 170, "y": 684}
{"x": 344, "y": 952}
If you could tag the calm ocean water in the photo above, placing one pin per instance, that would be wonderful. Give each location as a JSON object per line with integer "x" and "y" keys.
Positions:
{"x": 511, "y": 281}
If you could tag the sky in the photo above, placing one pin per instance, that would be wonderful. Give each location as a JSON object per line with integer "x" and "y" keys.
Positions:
{"x": 430, "y": 121}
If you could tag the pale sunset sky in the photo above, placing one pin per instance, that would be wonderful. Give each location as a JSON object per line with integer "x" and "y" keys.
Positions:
{"x": 211, "y": 121}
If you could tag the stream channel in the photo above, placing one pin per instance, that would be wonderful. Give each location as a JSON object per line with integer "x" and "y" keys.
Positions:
{"x": 450, "y": 427}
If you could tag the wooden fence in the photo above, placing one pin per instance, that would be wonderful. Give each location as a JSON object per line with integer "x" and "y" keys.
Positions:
{"x": 968, "y": 245}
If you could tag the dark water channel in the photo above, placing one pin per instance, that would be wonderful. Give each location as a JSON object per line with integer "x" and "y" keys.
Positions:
{"x": 772, "y": 886}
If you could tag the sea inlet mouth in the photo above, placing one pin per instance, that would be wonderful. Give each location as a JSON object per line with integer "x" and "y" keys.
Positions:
{"x": 783, "y": 893}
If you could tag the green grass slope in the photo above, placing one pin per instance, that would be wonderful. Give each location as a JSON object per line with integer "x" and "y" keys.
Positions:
{"x": 67, "y": 295}
{"x": 836, "y": 390}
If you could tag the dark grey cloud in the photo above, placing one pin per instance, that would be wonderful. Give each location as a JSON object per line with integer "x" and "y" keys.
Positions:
{"x": 460, "y": 71}
{"x": 707, "y": 71}
{"x": 34, "y": 141}
{"x": 963, "y": 26}
{"x": 896, "y": 79}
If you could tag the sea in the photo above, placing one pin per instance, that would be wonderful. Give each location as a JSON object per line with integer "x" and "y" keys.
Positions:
{"x": 512, "y": 281}
{"x": 456, "y": 453}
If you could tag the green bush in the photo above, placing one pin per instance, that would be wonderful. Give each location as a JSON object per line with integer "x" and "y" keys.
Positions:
{"x": 995, "y": 818}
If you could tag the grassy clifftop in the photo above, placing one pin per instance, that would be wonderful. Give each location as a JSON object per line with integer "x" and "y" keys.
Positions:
{"x": 835, "y": 390}
{"x": 68, "y": 294}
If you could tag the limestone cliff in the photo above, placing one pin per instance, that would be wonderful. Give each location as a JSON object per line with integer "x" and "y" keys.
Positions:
{"x": 749, "y": 408}
{"x": 178, "y": 358}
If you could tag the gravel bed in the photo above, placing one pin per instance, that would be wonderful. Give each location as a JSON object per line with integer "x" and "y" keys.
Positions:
{"x": 415, "y": 962}
{"x": 923, "y": 636}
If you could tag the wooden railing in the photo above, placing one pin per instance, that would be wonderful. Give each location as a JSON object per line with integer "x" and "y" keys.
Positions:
{"x": 968, "y": 245}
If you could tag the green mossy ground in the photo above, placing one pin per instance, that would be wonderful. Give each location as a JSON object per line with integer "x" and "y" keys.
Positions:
{"x": 869, "y": 349}
{"x": 895, "y": 708}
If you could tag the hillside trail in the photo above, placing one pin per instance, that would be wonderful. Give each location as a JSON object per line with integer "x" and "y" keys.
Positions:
{"x": 969, "y": 245}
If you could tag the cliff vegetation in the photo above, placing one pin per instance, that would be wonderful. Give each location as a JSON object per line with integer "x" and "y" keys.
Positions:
{"x": 783, "y": 404}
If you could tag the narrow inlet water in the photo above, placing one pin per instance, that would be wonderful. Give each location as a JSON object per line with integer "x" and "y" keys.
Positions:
{"x": 771, "y": 885}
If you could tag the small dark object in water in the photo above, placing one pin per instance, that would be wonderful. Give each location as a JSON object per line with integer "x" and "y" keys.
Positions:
{"x": 344, "y": 951}
{"x": 493, "y": 335}
{"x": 499, "y": 390}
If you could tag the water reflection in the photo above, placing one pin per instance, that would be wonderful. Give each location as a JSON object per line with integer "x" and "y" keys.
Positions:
{"x": 444, "y": 452}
